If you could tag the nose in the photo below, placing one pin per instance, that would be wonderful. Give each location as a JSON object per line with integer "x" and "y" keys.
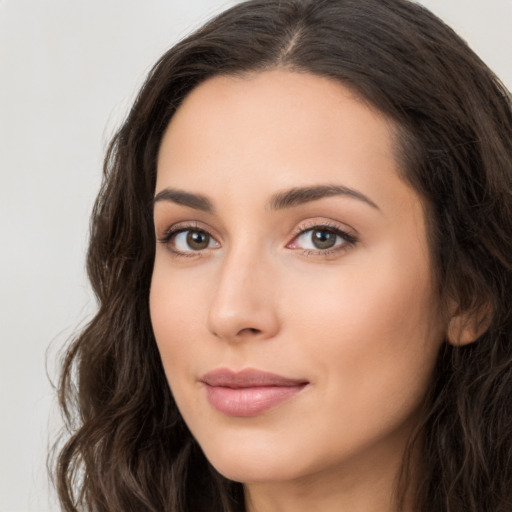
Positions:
{"x": 243, "y": 306}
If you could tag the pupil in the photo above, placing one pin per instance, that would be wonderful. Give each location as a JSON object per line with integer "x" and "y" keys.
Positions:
{"x": 323, "y": 239}
{"x": 197, "y": 240}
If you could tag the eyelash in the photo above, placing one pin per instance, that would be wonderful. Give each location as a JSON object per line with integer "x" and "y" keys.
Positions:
{"x": 349, "y": 240}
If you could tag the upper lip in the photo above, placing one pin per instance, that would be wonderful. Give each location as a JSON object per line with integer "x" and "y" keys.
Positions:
{"x": 248, "y": 378}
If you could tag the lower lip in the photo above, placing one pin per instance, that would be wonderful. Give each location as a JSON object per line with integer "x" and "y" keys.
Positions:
{"x": 244, "y": 402}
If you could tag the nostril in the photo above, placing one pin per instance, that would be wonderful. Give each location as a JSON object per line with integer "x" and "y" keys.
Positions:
{"x": 249, "y": 330}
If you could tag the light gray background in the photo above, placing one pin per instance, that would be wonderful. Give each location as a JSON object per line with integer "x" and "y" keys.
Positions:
{"x": 69, "y": 70}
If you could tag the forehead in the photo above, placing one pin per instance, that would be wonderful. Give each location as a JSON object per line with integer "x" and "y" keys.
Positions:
{"x": 272, "y": 96}
{"x": 272, "y": 115}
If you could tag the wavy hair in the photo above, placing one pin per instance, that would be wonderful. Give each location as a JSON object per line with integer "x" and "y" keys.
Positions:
{"x": 127, "y": 447}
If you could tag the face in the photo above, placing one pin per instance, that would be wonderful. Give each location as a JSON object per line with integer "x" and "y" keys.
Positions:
{"x": 292, "y": 298}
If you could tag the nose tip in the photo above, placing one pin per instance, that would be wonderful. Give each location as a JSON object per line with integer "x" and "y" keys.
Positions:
{"x": 240, "y": 319}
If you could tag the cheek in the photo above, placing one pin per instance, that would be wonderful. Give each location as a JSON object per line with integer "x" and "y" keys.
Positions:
{"x": 373, "y": 335}
{"x": 174, "y": 314}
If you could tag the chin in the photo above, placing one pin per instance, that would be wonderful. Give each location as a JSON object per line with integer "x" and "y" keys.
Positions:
{"x": 245, "y": 472}
{"x": 252, "y": 463}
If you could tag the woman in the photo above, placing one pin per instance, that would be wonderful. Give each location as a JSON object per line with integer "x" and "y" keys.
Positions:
{"x": 301, "y": 256}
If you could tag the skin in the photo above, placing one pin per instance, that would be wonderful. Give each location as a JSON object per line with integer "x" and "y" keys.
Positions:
{"x": 360, "y": 323}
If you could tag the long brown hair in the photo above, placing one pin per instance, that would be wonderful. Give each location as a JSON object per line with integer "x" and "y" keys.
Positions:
{"x": 127, "y": 446}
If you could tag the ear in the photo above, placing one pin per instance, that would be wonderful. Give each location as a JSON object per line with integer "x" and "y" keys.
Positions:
{"x": 467, "y": 327}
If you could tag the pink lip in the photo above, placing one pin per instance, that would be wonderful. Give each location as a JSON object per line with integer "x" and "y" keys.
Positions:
{"x": 248, "y": 392}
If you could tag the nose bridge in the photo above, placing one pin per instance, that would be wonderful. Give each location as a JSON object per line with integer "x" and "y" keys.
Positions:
{"x": 242, "y": 302}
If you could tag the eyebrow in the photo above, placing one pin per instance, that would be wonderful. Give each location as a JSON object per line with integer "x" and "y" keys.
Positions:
{"x": 196, "y": 201}
{"x": 279, "y": 201}
{"x": 301, "y": 195}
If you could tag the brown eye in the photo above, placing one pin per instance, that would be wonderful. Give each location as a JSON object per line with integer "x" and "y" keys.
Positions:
{"x": 190, "y": 241}
{"x": 323, "y": 239}
{"x": 198, "y": 240}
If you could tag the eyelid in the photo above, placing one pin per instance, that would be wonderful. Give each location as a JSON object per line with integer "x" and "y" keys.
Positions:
{"x": 349, "y": 235}
{"x": 325, "y": 224}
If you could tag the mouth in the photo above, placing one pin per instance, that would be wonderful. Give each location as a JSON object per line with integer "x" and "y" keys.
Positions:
{"x": 249, "y": 392}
